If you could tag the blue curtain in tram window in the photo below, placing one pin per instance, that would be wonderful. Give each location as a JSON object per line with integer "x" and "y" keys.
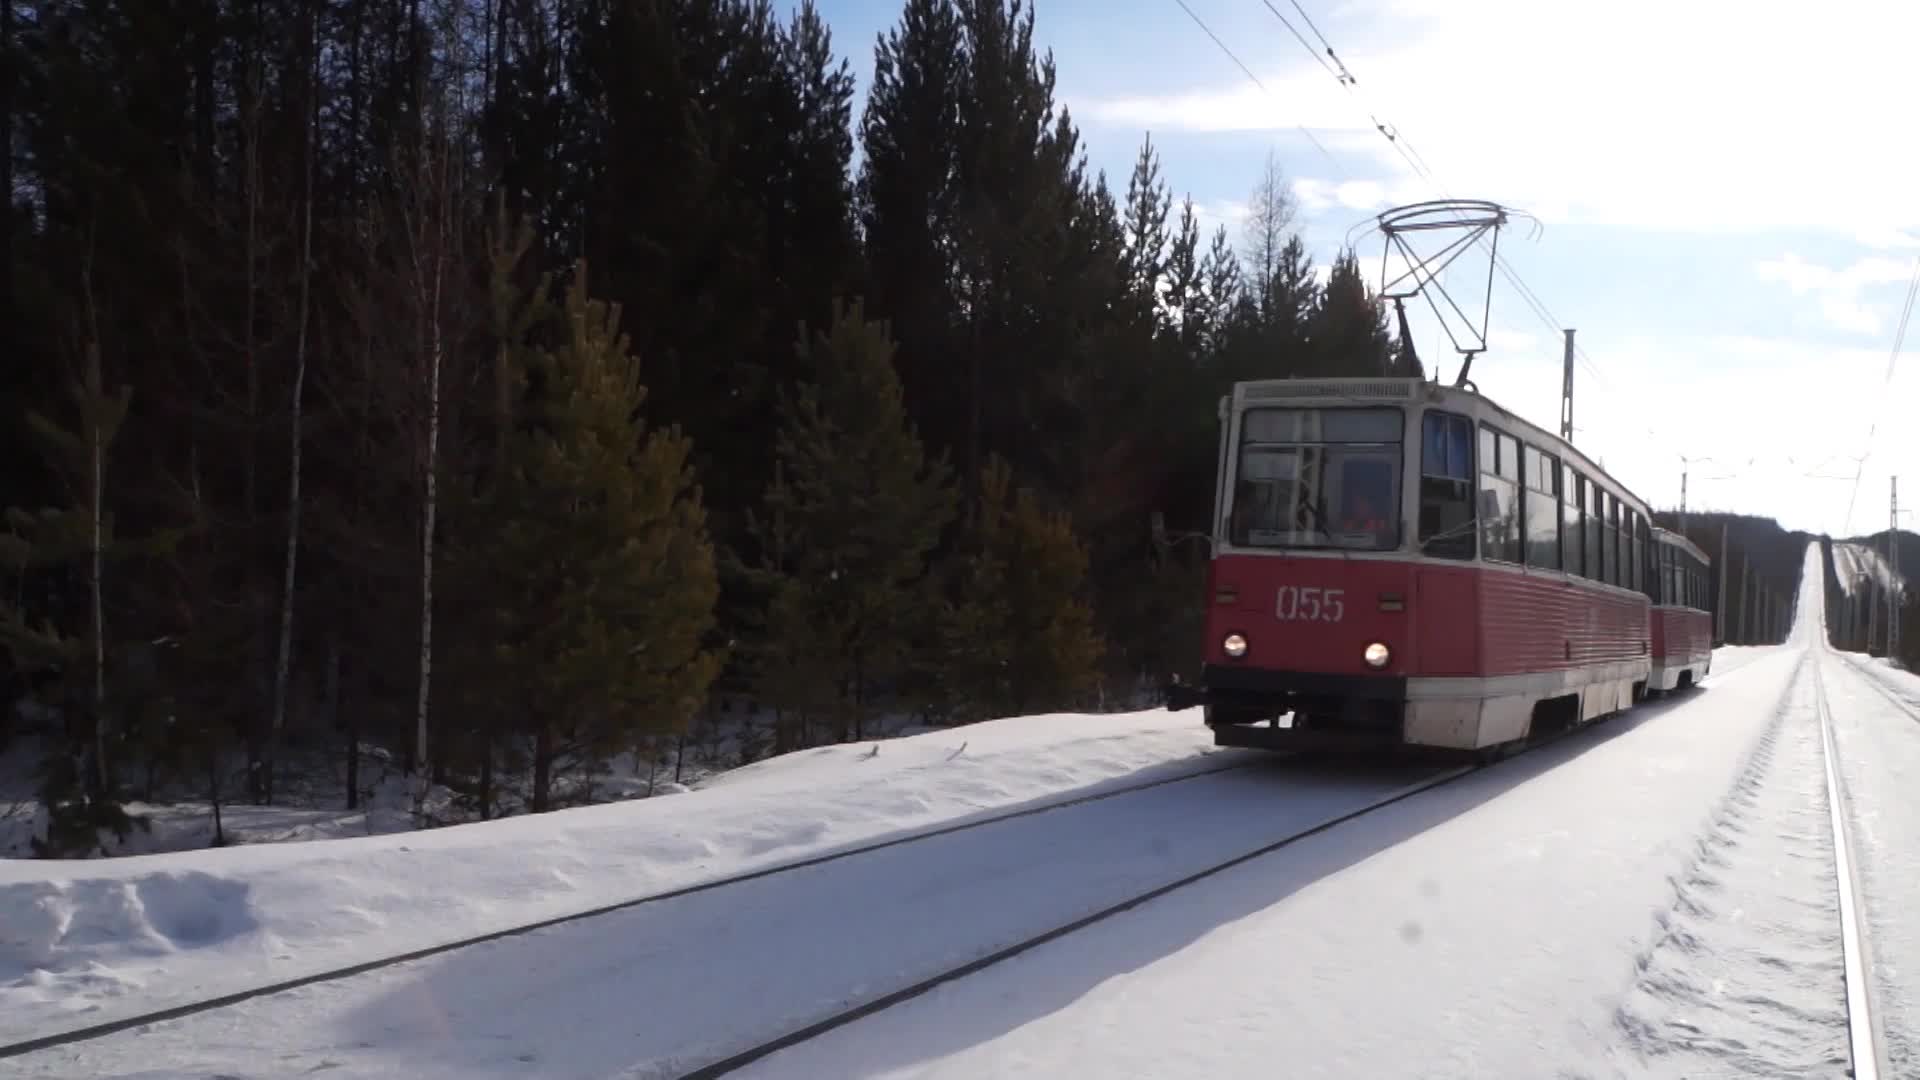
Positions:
{"x": 1447, "y": 447}
{"x": 1366, "y": 496}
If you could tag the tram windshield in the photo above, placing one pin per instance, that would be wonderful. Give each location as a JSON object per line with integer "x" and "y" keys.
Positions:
{"x": 1324, "y": 478}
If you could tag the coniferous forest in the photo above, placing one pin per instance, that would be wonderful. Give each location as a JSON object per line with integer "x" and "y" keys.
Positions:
{"x": 496, "y": 387}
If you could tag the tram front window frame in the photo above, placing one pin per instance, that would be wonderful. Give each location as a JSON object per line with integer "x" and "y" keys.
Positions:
{"x": 1318, "y": 477}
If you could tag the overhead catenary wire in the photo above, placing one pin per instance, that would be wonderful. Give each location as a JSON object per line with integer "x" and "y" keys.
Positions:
{"x": 1402, "y": 146}
{"x": 1208, "y": 30}
{"x": 1418, "y": 164}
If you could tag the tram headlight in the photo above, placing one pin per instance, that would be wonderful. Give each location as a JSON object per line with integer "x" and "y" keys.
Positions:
{"x": 1377, "y": 655}
{"x": 1234, "y": 645}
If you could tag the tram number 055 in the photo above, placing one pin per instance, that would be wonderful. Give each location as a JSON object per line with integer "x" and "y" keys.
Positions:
{"x": 1296, "y": 604}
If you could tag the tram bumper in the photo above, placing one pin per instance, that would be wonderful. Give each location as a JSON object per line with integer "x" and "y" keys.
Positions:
{"x": 1330, "y": 711}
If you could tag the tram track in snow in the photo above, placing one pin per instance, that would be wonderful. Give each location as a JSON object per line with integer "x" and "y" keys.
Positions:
{"x": 1906, "y": 705}
{"x": 1239, "y": 760}
{"x": 1866, "y": 1044}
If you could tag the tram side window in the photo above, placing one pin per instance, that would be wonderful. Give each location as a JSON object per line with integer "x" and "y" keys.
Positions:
{"x": 1543, "y": 509}
{"x": 1596, "y": 555}
{"x": 1608, "y": 552}
{"x": 1446, "y": 486}
{"x": 1623, "y": 550}
{"x": 1571, "y": 531}
{"x": 1677, "y": 576}
{"x": 1639, "y": 552}
{"x": 1632, "y": 525}
{"x": 1499, "y": 496}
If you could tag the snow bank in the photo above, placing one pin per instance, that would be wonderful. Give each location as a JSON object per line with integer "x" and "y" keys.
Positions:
{"x": 86, "y": 941}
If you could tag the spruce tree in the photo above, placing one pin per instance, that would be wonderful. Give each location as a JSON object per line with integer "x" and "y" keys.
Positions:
{"x": 1020, "y": 639}
{"x": 1347, "y": 330}
{"x": 74, "y": 541}
{"x": 854, "y": 511}
{"x": 603, "y": 580}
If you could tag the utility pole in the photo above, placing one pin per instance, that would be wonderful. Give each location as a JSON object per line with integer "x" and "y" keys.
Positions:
{"x": 1683, "y": 496}
{"x": 1720, "y": 592}
{"x": 1893, "y": 568}
{"x": 1566, "y": 393}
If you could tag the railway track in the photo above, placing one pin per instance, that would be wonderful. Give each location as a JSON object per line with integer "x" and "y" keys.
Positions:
{"x": 1900, "y": 701}
{"x": 848, "y": 1016}
{"x": 1866, "y": 1046}
{"x": 1238, "y": 760}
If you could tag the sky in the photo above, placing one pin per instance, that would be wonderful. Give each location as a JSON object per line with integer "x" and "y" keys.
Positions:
{"x": 1721, "y": 196}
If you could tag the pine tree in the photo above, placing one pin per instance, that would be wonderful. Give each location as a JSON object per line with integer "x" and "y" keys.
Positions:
{"x": 854, "y": 511}
{"x": 1186, "y": 304}
{"x": 1347, "y": 330}
{"x": 604, "y": 581}
{"x": 1019, "y": 639}
{"x": 78, "y": 789}
{"x": 1148, "y": 204}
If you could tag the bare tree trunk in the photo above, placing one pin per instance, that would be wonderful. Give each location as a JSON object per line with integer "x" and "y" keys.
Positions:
{"x": 542, "y": 768}
{"x": 96, "y": 509}
{"x": 250, "y": 124}
{"x": 283, "y": 668}
{"x": 486, "y": 777}
{"x": 213, "y": 793}
{"x": 436, "y": 191}
{"x": 333, "y": 719}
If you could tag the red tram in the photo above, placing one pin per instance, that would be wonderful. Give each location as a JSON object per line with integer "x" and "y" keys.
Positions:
{"x": 1399, "y": 563}
{"x": 1682, "y": 620}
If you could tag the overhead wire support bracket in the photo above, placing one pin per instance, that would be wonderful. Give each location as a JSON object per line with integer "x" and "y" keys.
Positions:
{"x": 1471, "y": 219}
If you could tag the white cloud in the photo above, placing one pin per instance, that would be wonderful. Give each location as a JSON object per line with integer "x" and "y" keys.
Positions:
{"x": 1701, "y": 115}
{"x": 1210, "y": 216}
{"x": 1887, "y": 238}
{"x": 1838, "y": 291}
{"x": 1368, "y": 196}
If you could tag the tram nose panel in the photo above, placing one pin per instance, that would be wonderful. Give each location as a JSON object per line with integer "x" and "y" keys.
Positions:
{"x": 1313, "y": 615}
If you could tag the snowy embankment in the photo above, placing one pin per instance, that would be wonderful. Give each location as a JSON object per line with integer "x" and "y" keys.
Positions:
{"x": 87, "y": 941}
{"x": 1855, "y": 563}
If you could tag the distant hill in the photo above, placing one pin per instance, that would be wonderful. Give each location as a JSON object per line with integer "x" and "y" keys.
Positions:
{"x": 1861, "y": 626}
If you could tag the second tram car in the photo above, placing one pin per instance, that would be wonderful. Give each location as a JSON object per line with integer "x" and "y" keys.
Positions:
{"x": 1682, "y": 621}
{"x": 1399, "y": 563}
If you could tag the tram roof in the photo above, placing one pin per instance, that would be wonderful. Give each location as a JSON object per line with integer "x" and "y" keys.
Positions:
{"x": 1668, "y": 536}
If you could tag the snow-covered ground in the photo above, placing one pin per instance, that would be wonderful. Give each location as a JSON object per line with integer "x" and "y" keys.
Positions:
{"x": 1879, "y": 743}
{"x": 87, "y": 941}
{"x": 1650, "y": 896}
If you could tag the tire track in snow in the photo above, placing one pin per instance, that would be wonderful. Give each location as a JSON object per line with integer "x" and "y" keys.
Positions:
{"x": 1745, "y": 974}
